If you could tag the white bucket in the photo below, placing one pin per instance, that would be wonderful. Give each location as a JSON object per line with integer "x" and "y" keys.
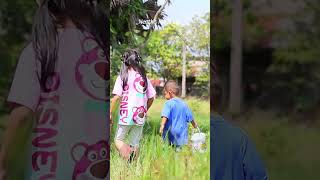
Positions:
{"x": 198, "y": 141}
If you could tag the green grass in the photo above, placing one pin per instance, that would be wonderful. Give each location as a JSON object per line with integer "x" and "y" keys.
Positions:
{"x": 159, "y": 161}
{"x": 289, "y": 150}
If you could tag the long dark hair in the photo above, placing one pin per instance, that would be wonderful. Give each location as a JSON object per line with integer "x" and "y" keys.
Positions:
{"x": 131, "y": 58}
{"x": 87, "y": 15}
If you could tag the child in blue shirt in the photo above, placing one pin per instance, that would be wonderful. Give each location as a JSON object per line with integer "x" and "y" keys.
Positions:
{"x": 175, "y": 117}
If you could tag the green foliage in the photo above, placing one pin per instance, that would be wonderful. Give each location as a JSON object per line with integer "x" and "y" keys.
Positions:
{"x": 297, "y": 63}
{"x": 164, "y": 48}
{"x": 129, "y": 29}
{"x": 198, "y": 38}
{"x": 252, "y": 30}
{"x": 198, "y": 35}
{"x": 15, "y": 30}
{"x": 129, "y": 20}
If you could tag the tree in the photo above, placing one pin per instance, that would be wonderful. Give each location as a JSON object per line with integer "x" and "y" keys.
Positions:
{"x": 169, "y": 42}
{"x": 198, "y": 36}
{"x": 296, "y": 65}
{"x": 251, "y": 34}
{"x": 15, "y": 30}
{"x": 236, "y": 58}
{"x": 165, "y": 49}
{"x": 198, "y": 40}
{"x": 130, "y": 27}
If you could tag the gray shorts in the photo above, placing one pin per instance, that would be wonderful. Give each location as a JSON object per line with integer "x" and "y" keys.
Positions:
{"x": 132, "y": 132}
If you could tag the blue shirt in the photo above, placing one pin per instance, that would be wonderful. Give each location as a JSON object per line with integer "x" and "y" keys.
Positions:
{"x": 176, "y": 127}
{"x": 233, "y": 155}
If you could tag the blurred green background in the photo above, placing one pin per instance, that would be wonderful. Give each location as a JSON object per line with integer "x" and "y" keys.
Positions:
{"x": 266, "y": 79}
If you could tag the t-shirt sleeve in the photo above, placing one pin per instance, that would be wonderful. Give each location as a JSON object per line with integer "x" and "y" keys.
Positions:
{"x": 25, "y": 87}
{"x": 253, "y": 166}
{"x": 189, "y": 115}
{"x": 166, "y": 110}
{"x": 117, "y": 89}
{"x": 151, "y": 92}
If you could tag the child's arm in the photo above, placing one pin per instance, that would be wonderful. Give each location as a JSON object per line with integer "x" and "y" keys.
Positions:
{"x": 113, "y": 101}
{"x": 16, "y": 119}
{"x": 163, "y": 123}
{"x": 149, "y": 103}
{"x": 194, "y": 124}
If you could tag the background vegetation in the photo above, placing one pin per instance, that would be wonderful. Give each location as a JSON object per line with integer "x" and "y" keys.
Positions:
{"x": 267, "y": 66}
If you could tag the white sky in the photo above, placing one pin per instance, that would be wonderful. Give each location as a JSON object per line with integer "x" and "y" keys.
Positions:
{"x": 182, "y": 11}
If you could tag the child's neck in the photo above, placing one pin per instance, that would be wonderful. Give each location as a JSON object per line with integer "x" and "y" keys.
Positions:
{"x": 69, "y": 24}
{"x": 172, "y": 96}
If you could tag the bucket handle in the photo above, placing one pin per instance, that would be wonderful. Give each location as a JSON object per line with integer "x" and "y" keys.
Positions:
{"x": 197, "y": 129}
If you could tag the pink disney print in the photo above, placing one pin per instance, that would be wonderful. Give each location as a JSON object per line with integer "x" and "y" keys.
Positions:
{"x": 139, "y": 114}
{"x": 92, "y": 70}
{"x": 92, "y": 161}
{"x": 139, "y": 84}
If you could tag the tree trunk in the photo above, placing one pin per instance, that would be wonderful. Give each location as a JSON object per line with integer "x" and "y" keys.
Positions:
{"x": 184, "y": 54}
{"x": 235, "y": 97}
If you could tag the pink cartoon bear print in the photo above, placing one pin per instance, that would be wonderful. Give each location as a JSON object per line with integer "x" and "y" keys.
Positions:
{"x": 139, "y": 84}
{"x": 139, "y": 114}
{"x": 92, "y": 70}
{"x": 92, "y": 162}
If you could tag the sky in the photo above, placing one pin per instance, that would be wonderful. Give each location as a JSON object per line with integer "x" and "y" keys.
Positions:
{"x": 182, "y": 11}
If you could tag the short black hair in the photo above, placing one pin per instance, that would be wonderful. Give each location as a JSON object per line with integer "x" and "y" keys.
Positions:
{"x": 172, "y": 86}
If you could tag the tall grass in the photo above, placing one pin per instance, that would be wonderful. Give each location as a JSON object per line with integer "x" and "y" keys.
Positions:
{"x": 157, "y": 160}
{"x": 290, "y": 151}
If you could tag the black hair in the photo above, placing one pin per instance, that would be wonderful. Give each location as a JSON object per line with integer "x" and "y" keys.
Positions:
{"x": 131, "y": 58}
{"x": 87, "y": 15}
{"x": 172, "y": 86}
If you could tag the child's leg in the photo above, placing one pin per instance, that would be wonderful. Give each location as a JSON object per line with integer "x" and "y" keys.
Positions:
{"x": 177, "y": 148}
{"x": 123, "y": 148}
{"x": 135, "y": 137}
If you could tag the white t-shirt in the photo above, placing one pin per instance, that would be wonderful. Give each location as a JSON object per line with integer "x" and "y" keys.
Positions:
{"x": 134, "y": 98}
{"x": 70, "y": 139}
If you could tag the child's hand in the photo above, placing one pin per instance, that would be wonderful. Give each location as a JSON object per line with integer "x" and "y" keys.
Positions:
{"x": 163, "y": 122}
{"x": 110, "y": 123}
{"x": 110, "y": 120}
{"x": 161, "y": 129}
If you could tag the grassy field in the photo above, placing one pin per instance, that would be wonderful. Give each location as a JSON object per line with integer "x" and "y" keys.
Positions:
{"x": 159, "y": 161}
{"x": 290, "y": 150}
